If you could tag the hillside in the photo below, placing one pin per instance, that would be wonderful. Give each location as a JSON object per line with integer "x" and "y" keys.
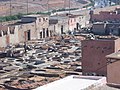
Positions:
{"x": 22, "y": 6}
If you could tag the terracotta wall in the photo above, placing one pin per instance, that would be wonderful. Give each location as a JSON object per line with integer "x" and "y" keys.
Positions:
{"x": 93, "y": 56}
{"x": 113, "y": 73}
{"x": 105, "y": 16}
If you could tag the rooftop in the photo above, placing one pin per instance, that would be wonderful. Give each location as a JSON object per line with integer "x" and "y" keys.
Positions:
{"x": 114, "y": 55}
{"x": 78, "y": 83}
{"x": 35, "y": 15}
{"x": 64, "y": 16}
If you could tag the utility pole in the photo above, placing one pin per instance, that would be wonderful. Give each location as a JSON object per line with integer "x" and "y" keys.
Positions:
{"x": 27, "y": 6}
{"x": 48, "y": 5}
{"x": 69, "y": 6}
{"x": 64, "y": 3}
{"x": 10, "y": 7}
{"x": 69, "y": 17}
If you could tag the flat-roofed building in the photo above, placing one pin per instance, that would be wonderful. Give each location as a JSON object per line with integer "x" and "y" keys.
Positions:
{"x": 94, "y": 52}
{"x": 65, "y": 23}
{"x": 105, "y": 16}
{"x": 75, "y": 83}
{"x": 101, "y": 28}
{"x": 33, "y": 27}
{"x": 113, "y": 66}
{"x": 8, "y": 35}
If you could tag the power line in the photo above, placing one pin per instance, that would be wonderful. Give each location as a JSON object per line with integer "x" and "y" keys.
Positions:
{"x": 107, "y": 63}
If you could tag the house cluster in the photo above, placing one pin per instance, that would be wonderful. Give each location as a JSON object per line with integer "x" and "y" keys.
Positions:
{"x": 111, "y": 16}
{"x": 44, "y": 61}
{"x": 34, "y": 27}
{"x": 101, "y": 52}
{"x": 106, "y": 22}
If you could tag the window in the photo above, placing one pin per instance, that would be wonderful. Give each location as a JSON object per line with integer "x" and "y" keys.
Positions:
{"x": 91, "y": 46}
{"x": 40, "y": 34}
{"x": 109, "y": 48}
{"x": 12, "y": 31}
{"x": 43, "y": 19}
{"x": 105, "y": 48}
{"x": 4, "y": 32}
{"x": 43, "y": 32}
{"x": 75, "y": 20}
{"x": 39, "y": 20}
{"x": 85, "y": 46}
{"x": 102, "y": 51}
{"x": 98, "y": 63}
{"x": 47, "y": 32}
{"x": 0, "y": 34}
{"x": 98, "y": 47}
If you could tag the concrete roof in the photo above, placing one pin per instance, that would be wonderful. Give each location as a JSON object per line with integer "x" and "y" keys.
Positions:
{"x": 35, "y": 15}
{"x": 64, "y": 16}
{"x": 59, "y": 17}
{"x": 74, "y": 83}
{"x": 114, "y": 55}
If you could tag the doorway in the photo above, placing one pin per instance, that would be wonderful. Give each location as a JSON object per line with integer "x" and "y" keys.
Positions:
{"x": 119, "y": 32}
{"x": 43, "y": 32}
{"x": 28, "y": 34}
{"x": 61, "y": 29}
{"x": 40, "y": 34}
{"x": 47, "y": 33}
{"x": 77, "y": 26}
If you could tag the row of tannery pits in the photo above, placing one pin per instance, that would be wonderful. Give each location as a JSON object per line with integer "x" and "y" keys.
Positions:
{"x": 32, "y": 64}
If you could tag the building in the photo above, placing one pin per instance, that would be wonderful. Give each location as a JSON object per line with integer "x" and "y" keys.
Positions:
{"x": 74, "y": 22}
{"x": 59, "y": 24}
{"x": 107, "y": 28}
{"x": 65, "y": 23}
{"x": 113, "y": 74}
{"x": 105, "y": 16}
{"x": 78, "y": 83}
{"x": 83, "y": 21}
{"x": 99, "y": 28}
{"x": 4, "y": 9}
{"x": 8, "y": 35}
{"x": 38, "y": 25}
{"x": 32, "y": 27}
{"x": 94, "y": 52}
